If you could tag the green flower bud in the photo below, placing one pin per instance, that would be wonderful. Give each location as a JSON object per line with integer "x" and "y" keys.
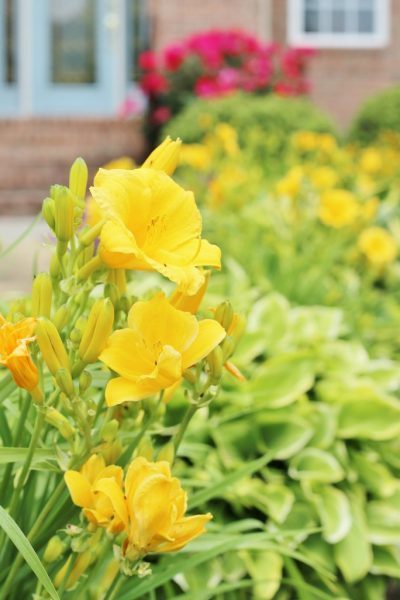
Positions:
{"x": 109, "y": 431}
{"x": 51, "y": 346}
{"x": 97, "y": 330}
{"x": 64, "y": 214}
{"x": 78, "y": 177}
{"x": 64, "y": 382}
{"x": 215, "y": 361}
{"x": 85, "y": 381}
{"x": 48, "y": 212}
{"x": 55, "y": 418}
{"x": 61, "y": 317}
{"x": 42, "y": 293}
{"x": 224, "y": 314}
{"x": 54, "y": 549}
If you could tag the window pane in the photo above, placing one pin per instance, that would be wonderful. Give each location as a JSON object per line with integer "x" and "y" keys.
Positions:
{"x": 10, "y": 41}
{"x": 73, "y": 43}
{"x": 365, "y": 21}
{"x": 138, "y": 34}
{"x": 338, "y": 21}
{"x": 311, "y": 21}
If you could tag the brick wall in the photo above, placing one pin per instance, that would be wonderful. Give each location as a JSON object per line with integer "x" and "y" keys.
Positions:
{"x": 36, "y": 153}
{"x": 340, "y": 79}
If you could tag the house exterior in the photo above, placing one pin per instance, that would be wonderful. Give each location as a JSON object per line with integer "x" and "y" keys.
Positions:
{"x": 358, "y": 41}
{"x": 66, "y": 66}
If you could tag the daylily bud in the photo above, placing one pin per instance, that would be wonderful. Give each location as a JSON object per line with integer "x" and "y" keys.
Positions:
{"x": 78, "y": 177}
{"x": 165, "y": 157}
{"x": 85, "y": 380}
{"x": 111, "y": 291}
{"x": 55, "y": 268}
{"x": 64, "y": 214}
{"x": 85, "y": 255}
{"x": 54, "y": 549}
{"x": 55, "y": 418}
{"x": 97, "y": 331}
{"x": 167, "y": 452}
{"x": 224, "y": 314}
{"x": 81, "y": 565}
{"x": 228, "y": 347}
{"x": 190, "y": 376}
{"x": 48, "y": 212}
{"x": 51, "y": 346}
{"x": 64, "y": 382}
{"x": 215, "y": 361}
{"x": 118, "y": 276}
{"x": 237, "y": 328}
{"x": 76, "y": 335}
{"x": 109, "y": 431}
{"x": 124, "y": 303}
{"x": 111, "y": 451}
{"x": 88, "y": 236}
{"x": 42, "y": 293}
{"x": 60, "y": 319}
{"x": 145, "y": 449}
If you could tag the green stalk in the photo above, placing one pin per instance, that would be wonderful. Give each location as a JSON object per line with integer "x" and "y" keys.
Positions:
{"x": 192, "y": 408}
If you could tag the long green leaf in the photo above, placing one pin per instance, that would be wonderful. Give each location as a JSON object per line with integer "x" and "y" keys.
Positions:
{"x": 23, "y": 545}
{"x": 14, "y": 455}
{"x": 23, "y": 235}
{"x": 229, "y": 480}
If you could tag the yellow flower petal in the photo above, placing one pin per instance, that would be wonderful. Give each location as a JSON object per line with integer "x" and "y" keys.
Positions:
{"x": 185, "y": 531}
{"x": 161, "y": 324}
{"x": 92, "y": 467}
{"x": 127, "y": 354}
{"x": 79, "y": 488}
{"x": 121, "y": 390}
{"x": 187, "y": 303}
{"x": 110, "y": 488}
{"x": 210, "y": 335}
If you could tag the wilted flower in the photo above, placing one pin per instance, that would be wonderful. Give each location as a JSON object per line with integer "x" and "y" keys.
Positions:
{"x": 159, "y": 345}
{"x": 14, "y": 351}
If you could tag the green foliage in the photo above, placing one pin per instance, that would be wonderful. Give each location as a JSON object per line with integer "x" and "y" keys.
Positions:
{"x": 379, "y": 114}
{"x": 263, "y": 123}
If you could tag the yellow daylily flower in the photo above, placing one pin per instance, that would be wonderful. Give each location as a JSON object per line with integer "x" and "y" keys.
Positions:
{"x": 338, "y": 208}
{"x": 159, "y": 345}
{"x": 165, "y": 157}
{"x": 377, "y": 245}
{"x": 85, "y": 487}
{"x": 152, "y": 224}
{"x": 155, "y": 510}
{"x": 191, "y": 304}
{"x": 14, "y": 351}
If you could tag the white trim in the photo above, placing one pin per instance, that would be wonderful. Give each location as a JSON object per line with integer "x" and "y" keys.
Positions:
{"x": 297, "y": 37}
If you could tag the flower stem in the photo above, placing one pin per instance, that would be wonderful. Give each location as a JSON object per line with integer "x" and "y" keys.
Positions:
{"x": 184, "y": 424}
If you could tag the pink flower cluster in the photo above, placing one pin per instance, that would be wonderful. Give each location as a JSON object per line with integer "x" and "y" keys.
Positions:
{"x": 214, "y": 63}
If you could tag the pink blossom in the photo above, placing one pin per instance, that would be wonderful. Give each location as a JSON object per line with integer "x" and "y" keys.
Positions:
{"x": 161, "y": 115}
{"x": 147, "y": 60}
{"x": 154, "y": 83}
{"x": 174, "y": 57}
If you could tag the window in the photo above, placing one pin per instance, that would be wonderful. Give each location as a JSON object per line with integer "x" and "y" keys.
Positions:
{"x": 338, "y": 23}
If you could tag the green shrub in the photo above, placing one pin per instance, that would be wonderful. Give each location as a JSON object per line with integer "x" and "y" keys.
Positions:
{"x": 263, "y": 123}
{"x": 378, "y": 114}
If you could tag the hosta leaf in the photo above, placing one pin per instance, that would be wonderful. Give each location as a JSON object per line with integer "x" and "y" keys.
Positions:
{"x": 265, "y": 568}
{"x": 283, "y": 380}
{"x": 279, "y": 501}
{"x": 324, "y": 422}
{"x": 383, "y": 518}
{"x": 375, "y": 476}
{"x": 285, "y": 438}
{"x": 316, "y": 465}
{"x": 353, "y": 554}
{"x": 334, "y": 511}
{"x": 386, "y": 561}
{"x": 374, "y": 419}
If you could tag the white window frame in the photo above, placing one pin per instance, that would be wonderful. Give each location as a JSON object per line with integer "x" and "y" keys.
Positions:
{"x": 298, "y": 37}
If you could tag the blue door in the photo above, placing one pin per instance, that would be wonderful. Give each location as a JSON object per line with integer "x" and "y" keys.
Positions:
{"x": 62, "y": 57}
{"x": 8, "y": 57}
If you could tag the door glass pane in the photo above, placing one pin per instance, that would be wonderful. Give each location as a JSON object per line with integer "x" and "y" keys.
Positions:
{"x": 10, "y": 39}
{"x": 365, "y": 21}
{"x": 73, "y": 41}
{"x": 138, "y": 34}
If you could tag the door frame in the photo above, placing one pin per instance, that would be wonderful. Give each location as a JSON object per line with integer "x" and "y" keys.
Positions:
{"x": 34, "y": 96}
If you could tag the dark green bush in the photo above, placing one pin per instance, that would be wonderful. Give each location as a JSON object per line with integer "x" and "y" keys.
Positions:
{"x": 264, "y": 122}
{"x": 378, "y": 114}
